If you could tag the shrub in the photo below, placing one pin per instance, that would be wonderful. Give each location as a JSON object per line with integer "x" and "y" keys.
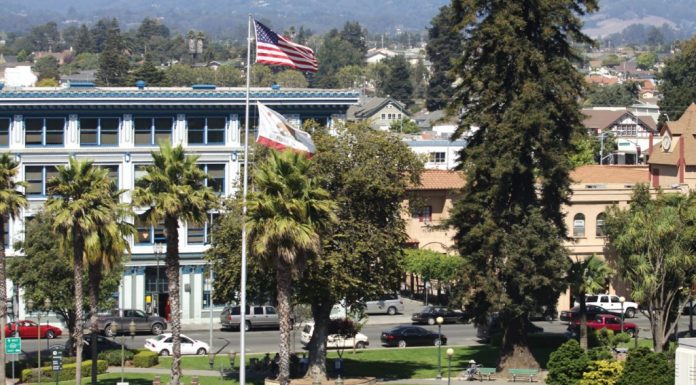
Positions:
{"x": 602, "y": 372}
{"x": 145, "y": 359}
{"x": 67, "y": 373}
{"x": 567, "y": 364}
{"x": 113, "y": 356}
{"x": 599, "y": 353}
{"x": 644, "y": 367}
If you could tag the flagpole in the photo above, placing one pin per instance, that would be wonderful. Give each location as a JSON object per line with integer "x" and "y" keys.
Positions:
{"x": 242, "y": 308}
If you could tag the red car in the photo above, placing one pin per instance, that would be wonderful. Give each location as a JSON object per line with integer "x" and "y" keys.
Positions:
{"x": 610, "y": 322}
{"x": 29, "y": 329}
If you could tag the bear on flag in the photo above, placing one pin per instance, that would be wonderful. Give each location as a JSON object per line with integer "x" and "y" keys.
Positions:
{"x": 276, "y": 132}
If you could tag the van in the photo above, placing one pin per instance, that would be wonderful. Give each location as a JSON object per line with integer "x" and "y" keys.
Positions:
{"x": 386, "y": 304}
{"x": 257, "y": 317}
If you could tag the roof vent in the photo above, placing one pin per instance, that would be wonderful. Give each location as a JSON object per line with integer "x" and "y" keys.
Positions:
{"x": 140, "y": 84}
{"x": 82, "y": 85}
{"x": 203, "y": 86}
{"x": 275, "y": 87}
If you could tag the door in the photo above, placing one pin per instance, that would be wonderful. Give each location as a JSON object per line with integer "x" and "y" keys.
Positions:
{"x": 615, "y": 303}
{"x": 141, "y": 321}
{"x": 258, "y": 319}
{"x": 604, "y": 302}
{"x": 272, "y": 316}
{"x": 28, "y": 329}
{"x": 187, "y": 346}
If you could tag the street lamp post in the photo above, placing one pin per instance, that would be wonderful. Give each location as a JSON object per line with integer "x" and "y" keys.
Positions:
{"x": 439, "y": 321}
{"x": 114, "y": 331}
{"x": 30, "y": 308}
{"x": 450, "y": 353}
{"x": 622, "y": 300}
{"x": 159, "y": 248}
{"x": 691, "y": 316}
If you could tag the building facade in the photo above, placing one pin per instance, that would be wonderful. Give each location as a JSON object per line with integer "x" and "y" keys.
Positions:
{"x": 118, "y": 128}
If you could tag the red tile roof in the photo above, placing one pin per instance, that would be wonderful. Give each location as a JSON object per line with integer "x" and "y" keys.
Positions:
{"x": 594, "y": 173}
{"x": 440, "y": 180}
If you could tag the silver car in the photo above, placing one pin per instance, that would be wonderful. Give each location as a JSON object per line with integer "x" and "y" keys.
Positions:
{"x": 386, "y": 304}
{"x": 257, "y": 317}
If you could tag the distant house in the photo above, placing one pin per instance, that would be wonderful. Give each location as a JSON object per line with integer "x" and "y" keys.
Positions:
{"x": 376, "y": 55}
{"x": 601, "y": 79}
{"x": 20, "y": 76}
{"x": 436, "y": 121}
{"x": 632, "y": 132}
{"x": 380, "y": 112}
{"x": 61, "y": 57}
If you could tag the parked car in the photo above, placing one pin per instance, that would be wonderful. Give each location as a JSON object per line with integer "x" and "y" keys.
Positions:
{"x": 592, "y": 311}
{"x": 334, "y": 340}
{"x": 403, "y": 336}
{"x": 428, "y": 315}
{"x": 123, "y": 317}
{"x": 492, "y": 326}
{"x": 611, "y": 303}
{"x": 256, "y": 316}
{"x": 606, "y": 321}
{"x": 388, "y": 303}
{"x": 30, "y": 329}
{"x": 162, "y": 345}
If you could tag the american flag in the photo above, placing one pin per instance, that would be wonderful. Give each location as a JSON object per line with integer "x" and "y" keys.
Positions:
{"x": 276, "y": 50}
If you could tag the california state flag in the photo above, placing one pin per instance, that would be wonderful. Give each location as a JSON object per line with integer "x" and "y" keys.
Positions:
{"x": 276, "y": 132}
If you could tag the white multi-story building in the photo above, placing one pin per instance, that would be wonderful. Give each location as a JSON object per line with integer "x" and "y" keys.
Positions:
{"x": 118, "y": 128}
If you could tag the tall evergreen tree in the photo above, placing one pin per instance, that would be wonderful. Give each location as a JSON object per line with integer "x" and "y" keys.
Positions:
{"x": 149, "y": 73}
{"x": 100, "y": 32}
{"x": 444, "y": 44}
{"x": 113, "y": 62}
{"x": 354, "y": 33}
{"x": 398, "y": 83}
{"x": 520, "y": 88}
{"x": 678, "y": 82}
{"x": 84, "y": 41}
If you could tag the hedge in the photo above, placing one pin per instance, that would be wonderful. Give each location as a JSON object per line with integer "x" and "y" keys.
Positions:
{"x": 113, "y": 356}
{"x": 145, "y": 359}
{"x": 67, "y": 373}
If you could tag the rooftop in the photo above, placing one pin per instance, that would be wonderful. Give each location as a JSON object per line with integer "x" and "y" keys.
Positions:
{"x": 440, "y": 180}
{"x": 594, "y": 173}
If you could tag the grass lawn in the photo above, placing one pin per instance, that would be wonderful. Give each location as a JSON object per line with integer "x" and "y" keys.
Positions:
{"x": 146, "y": 379}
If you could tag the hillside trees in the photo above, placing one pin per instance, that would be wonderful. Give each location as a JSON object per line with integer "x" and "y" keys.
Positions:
{"x": 678, "y": 82}
{"x": 520, "y": 87}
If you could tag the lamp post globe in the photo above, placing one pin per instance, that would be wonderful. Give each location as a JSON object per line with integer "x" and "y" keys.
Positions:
{"x": 30, "y": 305}
{"x": 450, "y": 353}
{"x": 439, "y": 321}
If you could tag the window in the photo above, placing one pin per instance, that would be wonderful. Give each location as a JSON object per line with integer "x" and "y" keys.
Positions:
{"x": 600, "y": 225}
{"x": 424, "y": 215}
{"x": 113, "y": 172}
{"x": 5, "y": 131}
{"x": 258, "y": 310}
{"x": 44, "y": 131}
{"x": 270, "y": 310}
{"x": 152, "y": 131}
{"x": 99, "y": 131}
{"x": 579, "y": 225}
{"x": 384, "y": 116}
{"x": 206, "y": 130}
{"x": 604, "y": 299}
{"x": 591, "y": 298}
{"x": 216, "y": 177}
{"x": 201, "y": 235}
{"x": 437, "y": 157}
{"x": 148, "y": 234}
{"x": 38, "y": 177}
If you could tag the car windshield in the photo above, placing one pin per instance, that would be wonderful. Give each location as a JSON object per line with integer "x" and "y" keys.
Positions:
{"x": 160, "y": 337}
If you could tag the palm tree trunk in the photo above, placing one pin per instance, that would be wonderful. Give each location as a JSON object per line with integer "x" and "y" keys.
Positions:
{"x": 78, "y": 249}
{"x": 94, "y": 281}
{"x": 172, "y": 262}
{"x": 284, "y": 282}
{"x": 3, "y": 299}
{"x": 583, "y": 321}
{"x": 317, "y": 345}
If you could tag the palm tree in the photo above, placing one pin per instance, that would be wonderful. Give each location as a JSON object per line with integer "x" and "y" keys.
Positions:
{"x": 104, "y": 257}
{"x": 589, "y": 276}
{"x": 12, "y": 201}
{"x": 80, "y": 201}
{"x": 286, "y": 213}
{"x": 174, "y": 189}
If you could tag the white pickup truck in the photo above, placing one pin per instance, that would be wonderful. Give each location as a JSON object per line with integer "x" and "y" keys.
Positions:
{"x": 612, "y": 304}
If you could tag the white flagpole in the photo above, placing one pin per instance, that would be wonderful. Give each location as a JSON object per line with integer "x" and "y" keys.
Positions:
{"x": 242, "y": 286}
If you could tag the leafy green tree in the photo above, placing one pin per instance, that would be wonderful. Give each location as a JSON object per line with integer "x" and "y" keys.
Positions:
{"x": 584, "y": 152}
{"x": 398, "y": 83}
{"x": 509, "y": 224}
{"x": 678, "y": 81}
{"x": 352, "y": 76}
{"x": 174, "y": 189}
{"x": 585, "y": 277}
{"x": 227, "y": 75}
{"x": 611, "y": 60}
{"x": 405, "y": 126}
{"x": 646, "y": 60}
{"x": 335, "y": 53}
{"x": 653, "y": 241}
{"x": 12, "y": 202}
{"x": 50, "y": 82}
{"x": 291, "y": 79}
{"x": 113, "y": 63}
{"x": 286, "y": 213}
{"x": 646, "y": 367}
{"x": 261, "y": 75}
{"x": 444, "y": 45}
{"x": 80, "y": 203}
{"x": 612, "y": 95}
{"x": 434, "y": 266}
{"x": 84, "y": 43}
{"x": 567, "y": 364}
{"x": 45, "y": 37}
{"x": 47, "y": 67}
{"x": 602, "y": 372}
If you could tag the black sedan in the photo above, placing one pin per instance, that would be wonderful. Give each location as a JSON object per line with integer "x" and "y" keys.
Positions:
{"x": 403, "y": 336}
{"x": 574, "y": 313}
{"x": 428, "y": 315}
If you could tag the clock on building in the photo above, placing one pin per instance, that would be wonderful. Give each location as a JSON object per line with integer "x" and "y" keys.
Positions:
{"x": 666, "y": 142}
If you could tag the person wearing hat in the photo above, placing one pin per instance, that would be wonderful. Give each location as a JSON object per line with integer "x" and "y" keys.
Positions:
{"x": 471, "y": 370}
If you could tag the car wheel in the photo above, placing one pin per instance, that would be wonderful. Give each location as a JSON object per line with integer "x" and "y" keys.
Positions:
{"x": 108, "y": 332}
{"x": 549, "y": 317}
{"x": 50, "y": 335}
{"x": 630, "y": 312}
{"x": 247, "y": 326}
{"x": 201, "y": 352}
{"x": 360, "y": 345}
{"x": 391, "y": 310}
{"x": 437, "y": 342}
{"x": 157, "y": 329}
{"x": 164, "y": 353}
{"x": 431, "y": 321}
{"x": 402, "y": 344}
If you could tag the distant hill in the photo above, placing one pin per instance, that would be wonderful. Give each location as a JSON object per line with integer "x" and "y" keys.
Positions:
{"x": 227, "y": 18}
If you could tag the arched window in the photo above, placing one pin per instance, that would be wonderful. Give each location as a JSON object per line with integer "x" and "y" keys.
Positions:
{"x": 579, "y": 225}
{"x": 600, "y": 225}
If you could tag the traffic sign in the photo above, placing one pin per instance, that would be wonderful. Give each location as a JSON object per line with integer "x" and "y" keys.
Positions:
{"x": 13, "y": 345}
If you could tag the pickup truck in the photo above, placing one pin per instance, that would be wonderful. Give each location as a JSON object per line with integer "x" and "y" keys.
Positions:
{"x": 612, "y": 303}
{"x": 143, "y": 323}
{"x": 607, "y": 321}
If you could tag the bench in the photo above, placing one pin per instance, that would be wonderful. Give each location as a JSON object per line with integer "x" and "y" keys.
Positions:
{"x": 486, "y": 372}
{"x": 529, "y": 374}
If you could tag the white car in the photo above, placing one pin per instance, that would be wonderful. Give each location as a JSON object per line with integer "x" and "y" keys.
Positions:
{"x": 334, "y": 340}
{"x": 162, "y": 345}
{"x": 611, "y": 303}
